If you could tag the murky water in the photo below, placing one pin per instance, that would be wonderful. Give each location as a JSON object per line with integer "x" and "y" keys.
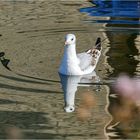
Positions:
{"x": 31, "y": 98}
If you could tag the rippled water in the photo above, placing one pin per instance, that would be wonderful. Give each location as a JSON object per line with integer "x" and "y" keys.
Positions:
{"x": 31, "y": 98}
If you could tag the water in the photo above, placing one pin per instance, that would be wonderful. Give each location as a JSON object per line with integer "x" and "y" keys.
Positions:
{"x": 32, "y": 37}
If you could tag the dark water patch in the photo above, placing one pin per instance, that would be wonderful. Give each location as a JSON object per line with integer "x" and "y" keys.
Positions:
{"x": 22, "y": 120}
{"x": 37, "y": 78}
{"x": 18, "y": 88}
{"x": 125, "y": 22}
{"x": 54, "y": 30}
{"x": 6, "y": 101}
{"x": 71, "y": 4}
{"x": 121, "y": 48}
{"x": 24, "y": 80}
{"x": 49, "y": 136}
{"x": 119, "y": 29}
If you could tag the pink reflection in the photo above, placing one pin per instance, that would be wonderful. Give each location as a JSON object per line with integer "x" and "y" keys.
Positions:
{"x": 128, "y": 87}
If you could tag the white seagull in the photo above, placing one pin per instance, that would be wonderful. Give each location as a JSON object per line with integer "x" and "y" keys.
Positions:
{"x": 82, "y": 63}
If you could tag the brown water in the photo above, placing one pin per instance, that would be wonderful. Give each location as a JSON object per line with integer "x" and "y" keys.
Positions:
{"x": 31, "y": 98}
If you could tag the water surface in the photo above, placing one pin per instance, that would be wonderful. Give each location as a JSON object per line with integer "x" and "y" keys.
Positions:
{"x": 31, "y": 97}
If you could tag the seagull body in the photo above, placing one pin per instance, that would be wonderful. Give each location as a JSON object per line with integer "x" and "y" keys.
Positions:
{"x": 79, "y": 64}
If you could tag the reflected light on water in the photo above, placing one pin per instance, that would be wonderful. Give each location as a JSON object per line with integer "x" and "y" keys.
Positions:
{"x": 13, "y": 132}
{"x": 126, "y": 12}
{"x": 88, "y": 102}
{"x": 124, "y": 108}
{"x": 128, "y": 88}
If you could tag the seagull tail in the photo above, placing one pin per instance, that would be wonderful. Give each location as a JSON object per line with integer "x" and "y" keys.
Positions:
{"x": 98, "y": 44}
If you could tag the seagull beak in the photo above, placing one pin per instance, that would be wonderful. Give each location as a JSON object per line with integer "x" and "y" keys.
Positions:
{"x": 66, "y": 43}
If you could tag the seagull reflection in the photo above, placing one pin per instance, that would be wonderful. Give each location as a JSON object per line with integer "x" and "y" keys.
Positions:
{"x": 70, "y": 85}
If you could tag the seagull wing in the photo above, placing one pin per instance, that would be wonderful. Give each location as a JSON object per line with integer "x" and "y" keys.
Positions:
{"x": 89, "y": 59}
{"x": 85, "y": 60}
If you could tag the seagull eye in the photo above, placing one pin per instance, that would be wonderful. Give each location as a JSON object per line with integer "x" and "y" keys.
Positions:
{"x": 72, "y": 39}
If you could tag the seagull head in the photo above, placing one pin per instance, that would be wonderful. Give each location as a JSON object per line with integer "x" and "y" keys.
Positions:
{"x": 70, "y": 39}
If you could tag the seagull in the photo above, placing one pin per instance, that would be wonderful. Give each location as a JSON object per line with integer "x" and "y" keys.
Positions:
{"x": 81, "y": 63}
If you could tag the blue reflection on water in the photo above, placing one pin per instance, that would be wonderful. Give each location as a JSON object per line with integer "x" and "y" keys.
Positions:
{"x": 115, "y": 9}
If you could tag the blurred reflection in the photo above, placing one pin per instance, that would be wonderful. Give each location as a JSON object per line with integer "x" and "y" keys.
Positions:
{"x": 122, "y": 55}
{"x": 122, "y": 52}
{"x": 122, "y": 9}
{"x": 124, "y": 109}
{"x": 122, "y": 30}
{"x": 114, "y": 8}
{"x": 70, "y": 85}
{"x": 13, "y": 132}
